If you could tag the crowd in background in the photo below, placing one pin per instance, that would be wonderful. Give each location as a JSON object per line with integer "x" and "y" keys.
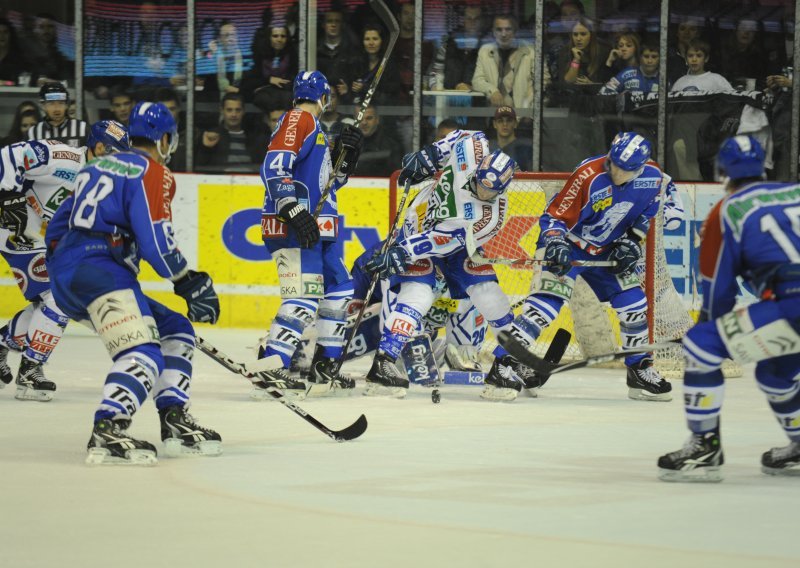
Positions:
{"x": 600, "y": 69}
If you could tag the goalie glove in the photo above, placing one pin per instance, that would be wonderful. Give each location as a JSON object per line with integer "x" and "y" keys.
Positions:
{"x": 14, "y": 214}
{"x": 385, "y": 264}
{"x": 558, "y": 254}
{"x": 198, "y": 291}
{"x": 348, "y": 145}
{"x": 302, "y": 222}
{"x": 419, "y": 166}
{"x": 626, "y": 253}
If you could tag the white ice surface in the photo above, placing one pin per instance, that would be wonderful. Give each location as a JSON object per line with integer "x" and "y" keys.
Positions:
{"x": 567, "y": 479}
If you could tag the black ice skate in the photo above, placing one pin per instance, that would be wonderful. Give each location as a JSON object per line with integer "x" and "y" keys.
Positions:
{"x": 6, "y": 375}
{"x": 503, "y": 382}
{"x": 32, "y": 384}
{"x": 782, "y": 461}
{"x": 182, "y": 435}
{"x": 462, "y": 358}
{"x": 278, "y": 379}
{"x": 384, "y": 379}
{"x": 698, "y": 460}
{"x": 645, "y": 383}
{"x": 325, "y": 378}
{"x": 110, "y": 444}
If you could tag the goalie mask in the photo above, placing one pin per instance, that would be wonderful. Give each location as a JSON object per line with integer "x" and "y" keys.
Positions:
{"x": 740, "y": 157}
{"x": 493, "y": 175}
{"x": 312, "y": 86}
{"x": 628, "y": 156}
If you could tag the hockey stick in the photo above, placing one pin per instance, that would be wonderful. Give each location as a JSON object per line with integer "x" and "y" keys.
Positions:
{"x": 248, "y": 370}
{"x": 350, "y": 433}
{"x": 521, "y": 353}
{"x": 558, "y": 346}
{"x": 531, "y": 261}
{"x": 387, "y": 18}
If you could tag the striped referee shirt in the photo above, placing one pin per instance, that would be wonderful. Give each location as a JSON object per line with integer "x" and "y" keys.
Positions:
{"x": 72, "y": 132}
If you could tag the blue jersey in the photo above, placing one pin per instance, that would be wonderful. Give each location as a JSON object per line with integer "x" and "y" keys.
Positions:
{"x": 593, "y": 213}
{"x": 128, "y": 197}
{"x": 297, "y": 167}
{"x": 631, "y": 79}
{"x": 753, "y": 233}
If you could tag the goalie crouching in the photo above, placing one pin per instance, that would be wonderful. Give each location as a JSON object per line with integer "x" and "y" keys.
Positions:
{"x": 465, "y": 205}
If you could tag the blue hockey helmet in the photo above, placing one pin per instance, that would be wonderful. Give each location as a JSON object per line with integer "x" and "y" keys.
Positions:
{"x": 494, "y": 173}
{"x": 312, "y": 86}
{"x": 151, "y": 121}
{"x": 629, "y": 151}
{"x": 111, "y": 134}
{"x": 740, "y": 157}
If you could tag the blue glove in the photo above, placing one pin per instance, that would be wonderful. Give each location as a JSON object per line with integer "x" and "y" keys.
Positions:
{"x": 385, "y": 264}
{"x": 419, "y": 166}
{"x": 198, "y": 291}
{"x": 558, "y": 254}
{"x": 627, "y": 253}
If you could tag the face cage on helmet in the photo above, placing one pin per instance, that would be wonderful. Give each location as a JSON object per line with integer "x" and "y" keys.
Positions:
{"x": 173, "y": 145}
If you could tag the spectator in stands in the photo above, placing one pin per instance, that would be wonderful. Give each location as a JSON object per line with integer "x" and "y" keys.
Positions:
{"x": 642, "y": 78}
{"x": 742, "y": 57}
{"x": 505, "y": 124}
{"x": 230, "y": 147}
{"x": 12, "y": 64}
{"x": 229, "y": 59}
{"x": 261, "y": 37}
{"x": 365, "y": 65}
{"x": 25, "y": 117}
{"x": 504, "y": 68}
{"x": 780, "y": 120}
{"x": 624, "y": 54}
{"x": 273, "y": 117}
{"x": 697, "y": 78}
{"x": 170, "y": 99}
{"x": 687, "y": 30}
{"x": 582, "y": 60}
{"x": 56, "y": 125}
{"x": 456, "y": 58}
{"x": 332, "y": 120}
{"x": 404, "y": 50}
{"x": 269, "y": 83}
{"x": 559, "y": 30}
{"x": 48, "y": 63}
{"x": 335, "y": 49}
{"x": 381, "y": 152}
{"x": 121, "y": 104}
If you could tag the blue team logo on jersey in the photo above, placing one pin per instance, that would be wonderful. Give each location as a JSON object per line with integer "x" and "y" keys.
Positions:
{"x": 66, "y": 175}
{"x": 461, "y": 156}
{"x": 469, "y": 214}
{"x": 646, "y": 183}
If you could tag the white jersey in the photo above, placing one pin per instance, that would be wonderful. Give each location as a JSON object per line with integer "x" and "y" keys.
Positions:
{"x": 446, "y": 217}
{"x": 45, "y": 171}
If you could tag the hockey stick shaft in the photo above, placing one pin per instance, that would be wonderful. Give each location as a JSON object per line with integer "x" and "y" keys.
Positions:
{"x": 248, "y": 371}
{"x": 385, "y": 15}
{"x": 351, "y": 432}
{"x": 532, "y": 261}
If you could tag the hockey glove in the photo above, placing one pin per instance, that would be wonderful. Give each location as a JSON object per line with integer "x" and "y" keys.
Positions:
{"x": 14, "y": 214}
{"x": 419, "y": 166}
{"x": 385, "y": 264}
{"x": 627, "y": 253}
{"x": 198, "y": 291}
{"x": 558, "y": 254}
{"x": 302, "y": 222}
{"x": 349, "y": 146}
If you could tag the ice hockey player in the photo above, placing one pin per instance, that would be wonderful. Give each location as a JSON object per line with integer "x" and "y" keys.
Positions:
{"x": 464, "y": 208}
{"x": 754, "y": 232}
{"x": 602, "y": 213}
{"x": 35, "y": 178}
{"x": 119, "y": 214}
{"x": 313, "y": 278}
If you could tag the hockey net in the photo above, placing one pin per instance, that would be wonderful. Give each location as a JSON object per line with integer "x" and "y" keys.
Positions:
{"x": 594, "y": 325}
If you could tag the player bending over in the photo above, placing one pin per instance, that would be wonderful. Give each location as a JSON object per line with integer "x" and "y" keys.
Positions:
{"x": 466, "y": 205}
{"x": 315, "y": 283}
{"x": 121, "y": 213}
{"x": 754, "y": 233}
{"x": 602, "y": 213}
{"x": 35, "y": 178}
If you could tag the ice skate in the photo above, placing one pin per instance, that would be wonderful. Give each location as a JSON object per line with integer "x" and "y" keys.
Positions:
{"x": 782, "y": 461}
{"x": 181, "y": 434}
{"x": 279, "y": 379}
{"x": 699, "y": 460}
{"x": 502, "y": 384}
{"x": 462, "y": 358}
{"x": 325, "y": 378}
{"x": 645, "y": 383}
{"x": 110, "y": 444}
{"x": 32, "y": 384}
{"x": 6, "y": 375}
{"x": 383, "y": 379}
{"x": 300, "y": 365}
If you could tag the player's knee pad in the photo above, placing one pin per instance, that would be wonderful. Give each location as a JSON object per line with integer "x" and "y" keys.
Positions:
{"x": 298, "y": 279}
{"x": 748, "y": 343}
{"x": 490, "y": 300}
{"x": 45, "y": 329}
{"x": 119, "y": 322}
{"x": 129, "y": 381}
{"x": 633, "y": 326}
{"x": 173, "y": 383}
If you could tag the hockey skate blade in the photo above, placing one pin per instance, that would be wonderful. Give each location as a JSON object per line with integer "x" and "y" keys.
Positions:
{"x": 264, "y": 394}
{"x": 174, "y": 448}
{"x": 498, "y": 394}
{"x": 101, "y": 456}
{"x": 697, "y": 475}
{"x": 27, "y": 393}
{"x": 641, "y": 394}
{"x": 375, "y": 389}
{"x": 266, "y": 364}
{"x": 327, "y": 390}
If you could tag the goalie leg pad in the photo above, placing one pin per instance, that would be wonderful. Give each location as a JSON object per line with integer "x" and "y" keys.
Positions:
{"x": 287, "y": 328}
{"x": 129, "y": 381}
{"x": 45, "y": 329}
{"x": 121, "y": 323}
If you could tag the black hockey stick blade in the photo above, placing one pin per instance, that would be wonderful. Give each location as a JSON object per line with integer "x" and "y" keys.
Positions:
{"x": 558, "y": 346}
{"x": 519, "y": 352}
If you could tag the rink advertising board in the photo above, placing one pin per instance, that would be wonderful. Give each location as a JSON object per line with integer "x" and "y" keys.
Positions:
{"x": 217, "y": 222}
